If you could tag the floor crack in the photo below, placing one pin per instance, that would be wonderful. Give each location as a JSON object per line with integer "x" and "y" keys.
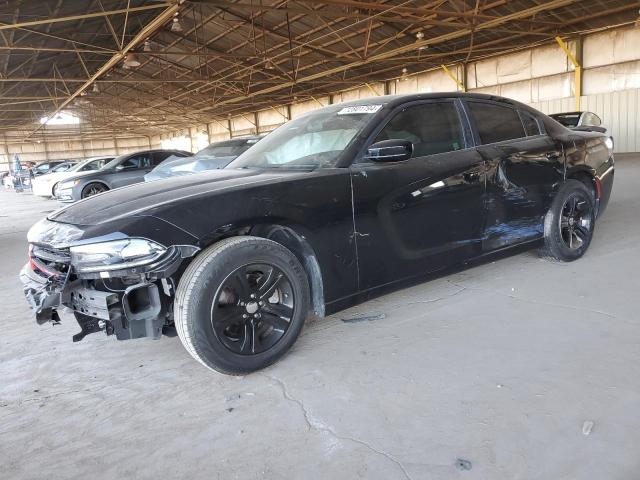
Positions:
{"x": 537, "y": 302}
{"x": 313, "y": 424}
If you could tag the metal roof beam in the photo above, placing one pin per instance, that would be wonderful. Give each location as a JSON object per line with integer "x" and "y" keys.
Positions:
{"x": 140, "y": 37}
{"x": 8, "y": 26}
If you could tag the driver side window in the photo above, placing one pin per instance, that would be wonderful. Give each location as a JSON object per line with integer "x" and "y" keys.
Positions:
{"x": 432, "y": 128}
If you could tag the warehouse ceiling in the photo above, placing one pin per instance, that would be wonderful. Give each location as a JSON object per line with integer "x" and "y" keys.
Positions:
{"x": 147, "y": 67}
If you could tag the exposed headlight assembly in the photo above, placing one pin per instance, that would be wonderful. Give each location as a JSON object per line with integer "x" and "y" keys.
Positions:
{"x": 115, "y": 255}
{"x": 57, "y": 235}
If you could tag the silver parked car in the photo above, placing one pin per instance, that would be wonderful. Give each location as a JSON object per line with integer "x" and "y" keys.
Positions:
{"x": 121, "y": 171}
{"x": 215, "y": 156}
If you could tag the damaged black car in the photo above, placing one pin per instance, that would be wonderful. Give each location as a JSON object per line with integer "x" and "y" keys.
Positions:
{"x": 332, "y": 208}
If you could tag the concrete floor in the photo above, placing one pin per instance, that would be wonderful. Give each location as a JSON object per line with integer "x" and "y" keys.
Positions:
{"x": 490, "y": 373}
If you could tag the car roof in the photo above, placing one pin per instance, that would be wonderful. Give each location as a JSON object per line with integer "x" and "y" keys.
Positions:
{"x": 393, "y": 100}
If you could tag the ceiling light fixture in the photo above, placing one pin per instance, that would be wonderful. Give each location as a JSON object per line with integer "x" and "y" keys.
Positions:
{"x": 131, "y": 61}
{"x": 147, "y": 46}
{"x": 269, "y": 65}
{"x": 95, "y": 89}
{"x": 405, "y": 74}
{"x": 176, "y": 26}
{"x": 419, "y": 39}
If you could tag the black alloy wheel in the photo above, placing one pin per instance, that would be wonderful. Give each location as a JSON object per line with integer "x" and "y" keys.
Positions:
{"x": 575, "y": 220}
{"x": 569, "y": 223}
{"x": 93, "y": 189}
{"x": 241, "y": 304}
{"x": 253, "y": 308}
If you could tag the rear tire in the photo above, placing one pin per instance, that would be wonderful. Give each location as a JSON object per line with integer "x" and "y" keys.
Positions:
{"x": 569, "y": 223}
{"x": 241, "y": 304}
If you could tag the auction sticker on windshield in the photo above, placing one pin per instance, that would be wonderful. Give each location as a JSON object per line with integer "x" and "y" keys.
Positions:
{"x": 355, "y": 109}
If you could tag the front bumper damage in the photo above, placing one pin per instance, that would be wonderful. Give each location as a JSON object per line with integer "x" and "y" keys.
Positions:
{"x": 131, "y": 303}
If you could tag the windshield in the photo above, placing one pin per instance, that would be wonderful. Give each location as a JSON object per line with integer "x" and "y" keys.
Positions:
{"x": 62, "y": 167}
{"x": 42, "y": 167}
{"x": 87, "y": 165}
{"x": 311, "y": 141}
{"x": 567, "y": 119}
{"x": 231, "y": 148}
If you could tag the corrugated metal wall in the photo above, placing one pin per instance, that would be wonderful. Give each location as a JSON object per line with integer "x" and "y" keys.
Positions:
{"x": 620, "y": 113}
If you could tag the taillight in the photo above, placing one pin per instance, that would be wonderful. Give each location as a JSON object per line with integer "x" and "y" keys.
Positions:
{"x": 598, "y": 188}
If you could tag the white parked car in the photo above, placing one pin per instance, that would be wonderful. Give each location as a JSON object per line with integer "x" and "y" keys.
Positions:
{"x": 43, "y": 185}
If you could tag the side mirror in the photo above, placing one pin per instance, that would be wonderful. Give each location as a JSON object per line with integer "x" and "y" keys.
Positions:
{"x": 390, "y": 151}
{"x": 120, "y": 168}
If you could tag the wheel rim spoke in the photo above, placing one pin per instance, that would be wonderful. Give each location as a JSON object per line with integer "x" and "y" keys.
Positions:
{"x": 278, "y": 324}
{"x": 279, "y": 310}
{"x": 240, "y": 283}
{"x": 248, "y": 339}
{"x": 582, "y": 233}
{"x": 266, "y": 288}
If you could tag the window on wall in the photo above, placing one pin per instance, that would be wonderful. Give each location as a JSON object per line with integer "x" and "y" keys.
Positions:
{"x": 431, "y": 127}
{"x": 496, "y": 123}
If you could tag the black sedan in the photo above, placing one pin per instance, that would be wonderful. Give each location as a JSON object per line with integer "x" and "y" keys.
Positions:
{"x": 121, "y": 171}
{"x": 332, "y": 208}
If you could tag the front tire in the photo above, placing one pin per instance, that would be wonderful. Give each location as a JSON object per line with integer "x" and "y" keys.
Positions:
{"x": 93, "y": 189}
{"x": 241, "y": 304}
{"x": 569, "y": 223}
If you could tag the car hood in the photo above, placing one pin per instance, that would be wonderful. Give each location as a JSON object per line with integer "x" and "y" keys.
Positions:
{"x": 148, "y": 198}
{"x": 59, "y": 176}
{"x": 86, "y": 175}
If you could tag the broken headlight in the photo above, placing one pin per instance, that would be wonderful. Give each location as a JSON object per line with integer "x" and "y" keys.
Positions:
{"x": 115, "y": 255}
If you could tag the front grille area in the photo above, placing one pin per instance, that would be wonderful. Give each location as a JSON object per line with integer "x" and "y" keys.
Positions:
{"x": 50, "y": 261}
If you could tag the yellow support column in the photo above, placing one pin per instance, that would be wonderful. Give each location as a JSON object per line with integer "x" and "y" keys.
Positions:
{"x": 577, "y": 79}
{"x": 454, "y": 78}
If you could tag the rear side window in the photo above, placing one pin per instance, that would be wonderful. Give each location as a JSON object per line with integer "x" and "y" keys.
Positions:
{"x": 95, "y": 164}
{"x": 530, "y": 123}
{"x": 496, "y": 123}
{"x": 431, "y": 127}
{"x": 141, "y": 160}
{"x": 159, "y": 157}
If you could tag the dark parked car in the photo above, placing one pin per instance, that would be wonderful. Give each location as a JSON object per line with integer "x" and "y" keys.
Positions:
{"x": 330, "y": 209}
{"x": 215, "y": 156}
{"x": 121, "y": 171}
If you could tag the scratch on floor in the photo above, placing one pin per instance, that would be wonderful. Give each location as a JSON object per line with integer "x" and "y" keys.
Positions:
{"x": 537, "y": 302}
{"x": 417, "y": 302}
{"x": 313, "y": 424}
